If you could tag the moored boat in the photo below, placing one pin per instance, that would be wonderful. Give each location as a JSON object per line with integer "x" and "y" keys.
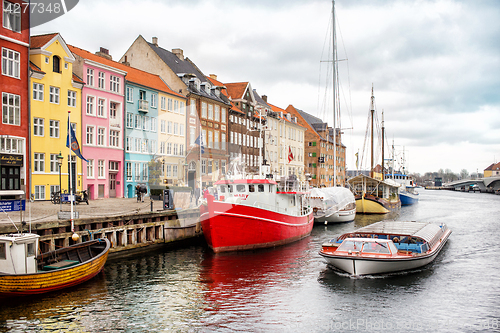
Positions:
{"x": 374, "y": 196}
{"x": 386, "y": 247}
{"x": 22, "y": 272}
{"x": 332, "y": 204}
{"x": 407, "y": 190}
{"x": 256, "y": 213}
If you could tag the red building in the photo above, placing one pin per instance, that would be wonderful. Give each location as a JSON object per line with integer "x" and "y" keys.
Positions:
{"x": 14, "y": 89}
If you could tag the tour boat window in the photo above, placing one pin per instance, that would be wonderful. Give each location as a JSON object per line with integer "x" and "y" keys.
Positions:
{"x": 222, "y": 189}
{"x": 3, "y": 254}
{"x": 30, "y": 249}
{"x": 374, "y": 247}
{"x": 350, "y": 246}
{"x": 251, "y": 188}
{"x": 240, "y": 188}
{"x": 261, "y": 188}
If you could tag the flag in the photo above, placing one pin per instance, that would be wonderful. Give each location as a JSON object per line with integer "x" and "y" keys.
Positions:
{"x": 290, "y": 155}
{"x": 356, "y": 159}
{"x": 75, "y": 147}
{"x": 199, "y": 142}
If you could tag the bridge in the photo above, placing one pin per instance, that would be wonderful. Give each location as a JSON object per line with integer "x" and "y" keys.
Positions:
{"x": 487, "y": 184}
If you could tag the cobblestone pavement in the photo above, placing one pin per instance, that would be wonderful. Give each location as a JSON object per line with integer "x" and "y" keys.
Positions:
{"x": 42, "y": 211}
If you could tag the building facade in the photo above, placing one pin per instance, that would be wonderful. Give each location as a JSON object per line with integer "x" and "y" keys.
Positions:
{"x": 14, "y": 86}
{"x": 102, "y": 122}
{"x": 56, "y": 98}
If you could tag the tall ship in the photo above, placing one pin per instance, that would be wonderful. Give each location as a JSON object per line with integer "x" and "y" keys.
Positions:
{"x": 375, "y": 196}
{"x": 251, "y": 213}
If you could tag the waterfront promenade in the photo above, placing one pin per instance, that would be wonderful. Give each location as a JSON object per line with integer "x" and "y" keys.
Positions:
{"x": 46, "y": 211}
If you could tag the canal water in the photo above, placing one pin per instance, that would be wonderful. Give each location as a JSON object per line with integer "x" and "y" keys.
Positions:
{"x": 290, "y": 288}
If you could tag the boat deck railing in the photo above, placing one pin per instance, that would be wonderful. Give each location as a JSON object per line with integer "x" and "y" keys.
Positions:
{"x": 283, "y": 210}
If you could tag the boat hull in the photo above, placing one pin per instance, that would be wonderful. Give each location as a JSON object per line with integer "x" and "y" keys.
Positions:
{"x": 235, "y": 227}
{"x": 408, "y": 198}
{"x": 337, "y": 217}
{"x": 357, "y": 265}
{"x": 372, "y": 205}
{"x": 47, "y": 281}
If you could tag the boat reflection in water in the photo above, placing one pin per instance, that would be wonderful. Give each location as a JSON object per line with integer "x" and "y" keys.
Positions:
{"x": 247, "y": 280}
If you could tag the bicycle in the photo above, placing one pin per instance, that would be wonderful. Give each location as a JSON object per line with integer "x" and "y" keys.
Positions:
{"x": 55, "y": 197}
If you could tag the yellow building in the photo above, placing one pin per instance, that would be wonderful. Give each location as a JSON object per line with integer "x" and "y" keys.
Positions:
{"x": 55, "y": 91}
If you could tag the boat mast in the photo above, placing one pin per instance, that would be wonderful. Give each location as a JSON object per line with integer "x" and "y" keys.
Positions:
{"x": 334, "y": 62}
{"x": 372, "y": 113}
{"x": 383, "y": 134}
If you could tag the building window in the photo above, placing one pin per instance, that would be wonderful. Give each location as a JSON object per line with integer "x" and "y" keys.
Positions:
{"x": 137, "y": 171}
{"x": 100, "y": 107}
{"x": 90, "y": 168}
{"x": 114, "y": 138}
{"x": 10, "y": 63}
{"x": 130, "y": 96}
{"x": 130, "y": 120}
{"x": 145, "y": 172}
{"x": 12, "y": 16}
{"x": 39, "y": 192}
{"x": 163, "y": 102}
{"x": 169, "y": 127}
{"x": 54, "y": 163}
{"x": 90, "y": 77}
{"x": 192, "y": 107}
{"x": 100, "y": 136}
{"x": 112, "y": 110}
{"x": 176, "y": 129}
{"x": 217, "y": 113}
{"x": 38, "y": 126}
{"x": 223, "y": 141}
{"x": 72, "y": 98}
{"x": 153, "y": 100}
{"x": 54, "y": 95}
{"x": 114, "y": 84}
{"x": 56, "y": 64}
{"x": 192, "y": 135}
{"x": 100, "y": 169}
{"x": 181, "y": 108}
{"x": 169, "y": 148}
{"x": 210, "y": 111}
{"x": 210, "y": 139}
{"x": 176, "y": 106}
{"x": 39, "y": 162}
{"x": 138, "y": 122}
{"x": 176, "y": 149}
{"x": 54, "y": 128}
{"x": 203, "y": 110}
{"x": 37, "y": 91}
{"x": 100, "y": 80}
{"x": 169, "y": 108}
{"x": 11, "y": 108}
{"x": 153, "y": 124}
{"x": 129, "y": 171}
{"x": 203, "y": 166}
{"x": 90, "y": 105}
{"x": 163, "y": 125}
{"x": 181, "y": 129}
{"x": 216, "y": 140}
{"x": 90, "y": 135}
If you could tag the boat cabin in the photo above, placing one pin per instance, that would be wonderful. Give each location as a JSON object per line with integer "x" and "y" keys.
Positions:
{"x": 368, "y": 246}
{"x": 18, "y": 253}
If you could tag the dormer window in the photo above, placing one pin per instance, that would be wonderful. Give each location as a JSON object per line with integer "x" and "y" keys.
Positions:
{"x": 56, "y": 64}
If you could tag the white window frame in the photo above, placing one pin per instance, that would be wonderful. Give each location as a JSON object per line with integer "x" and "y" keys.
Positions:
{"x": 114, "y": 83}
{"x": 192, "y": 107}
{"x": 130, "y": 120}
{"x": 90, "y": 77}
{"x": 11, "y": 112}
{"x": 11, "y": 16}
{"x": 163, "y": 126}
{"x": 90, "y": 169}
{"x": 153, "y": 100}
{"x": 101, "y": 80}
{"x": 101, "y": 108}
{"x": 101, "y": 136}
{"x": 89, "y": 135}
{"x": 72, "y": 98}
{"x": 11, "y": 65}
{"x": 39, "y": 192}
{"x": 54, "y": 128}
{"x": 37, "y": 91}
{"x": 38, "y": 162}
{"x": 130, "y": 95}
{"x": 38, "y": 126}
{"x": 163, "y": 102}
{"x": 54, "y": 95}
{"x": 114, "y": 138}
{"x": 101, "y": 169}
{"x": 90, "y": 105}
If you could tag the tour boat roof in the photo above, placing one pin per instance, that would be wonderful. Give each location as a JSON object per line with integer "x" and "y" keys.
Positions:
{"x": 245, "y": 181}
{"x": 422, "y": 230}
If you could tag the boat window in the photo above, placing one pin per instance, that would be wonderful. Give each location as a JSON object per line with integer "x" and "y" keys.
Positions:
{"x": 261, "y": 188}
{"x": 251, "y": 188}
{"x": 230, "y": 188}
{"x": 350, "y": 246}
{"x": 374, "y": 247}
{"x": 3, "y": 254}
{"x": 240, "y": 188}
{"x": 270, "y": 188}
{"x": 30, "y": 249}
{"x": 222, "y": 189}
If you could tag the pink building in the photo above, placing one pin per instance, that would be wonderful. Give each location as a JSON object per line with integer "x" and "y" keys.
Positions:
{"x": 102, "y": 122}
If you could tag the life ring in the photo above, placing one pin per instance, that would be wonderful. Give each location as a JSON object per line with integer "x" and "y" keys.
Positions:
{"x": 315, "y": 210}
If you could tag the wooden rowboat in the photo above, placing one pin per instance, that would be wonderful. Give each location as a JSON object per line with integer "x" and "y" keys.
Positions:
{"x": 24, "y": 273}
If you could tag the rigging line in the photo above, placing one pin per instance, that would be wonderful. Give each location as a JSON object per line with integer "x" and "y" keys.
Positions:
{"x": 327, "y": 35}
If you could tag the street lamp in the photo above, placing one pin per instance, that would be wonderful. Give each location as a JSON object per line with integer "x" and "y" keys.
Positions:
{"x": 59, "y": 163}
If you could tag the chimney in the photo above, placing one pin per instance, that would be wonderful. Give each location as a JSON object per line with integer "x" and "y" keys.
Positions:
{"x": 213, "y": 76}
{"x": 155, "y": 41}
{"x": 179, "y": 53}
{"x": 264, "y": 97}
{"x": 125, "y": 62}
{"x": 104, "y": 53}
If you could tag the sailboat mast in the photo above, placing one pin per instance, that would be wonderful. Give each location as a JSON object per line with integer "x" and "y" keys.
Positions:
{"x": 372, "y": 114}
{"x": 334, "y": 62}
{"x": 383, "y": 135}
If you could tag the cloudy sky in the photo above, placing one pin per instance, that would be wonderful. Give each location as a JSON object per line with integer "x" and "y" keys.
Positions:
{"x": 434, "y": 65}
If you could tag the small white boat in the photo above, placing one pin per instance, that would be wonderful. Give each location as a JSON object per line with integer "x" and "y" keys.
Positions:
{"x": 332, "y": 204}
{"x": 386, "y": 247}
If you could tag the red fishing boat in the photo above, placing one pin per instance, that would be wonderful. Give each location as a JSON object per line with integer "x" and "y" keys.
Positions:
{"x": 256, "y": 213}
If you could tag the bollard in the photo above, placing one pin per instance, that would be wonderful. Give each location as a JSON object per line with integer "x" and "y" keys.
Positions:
{"x": 151, "y": 205}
